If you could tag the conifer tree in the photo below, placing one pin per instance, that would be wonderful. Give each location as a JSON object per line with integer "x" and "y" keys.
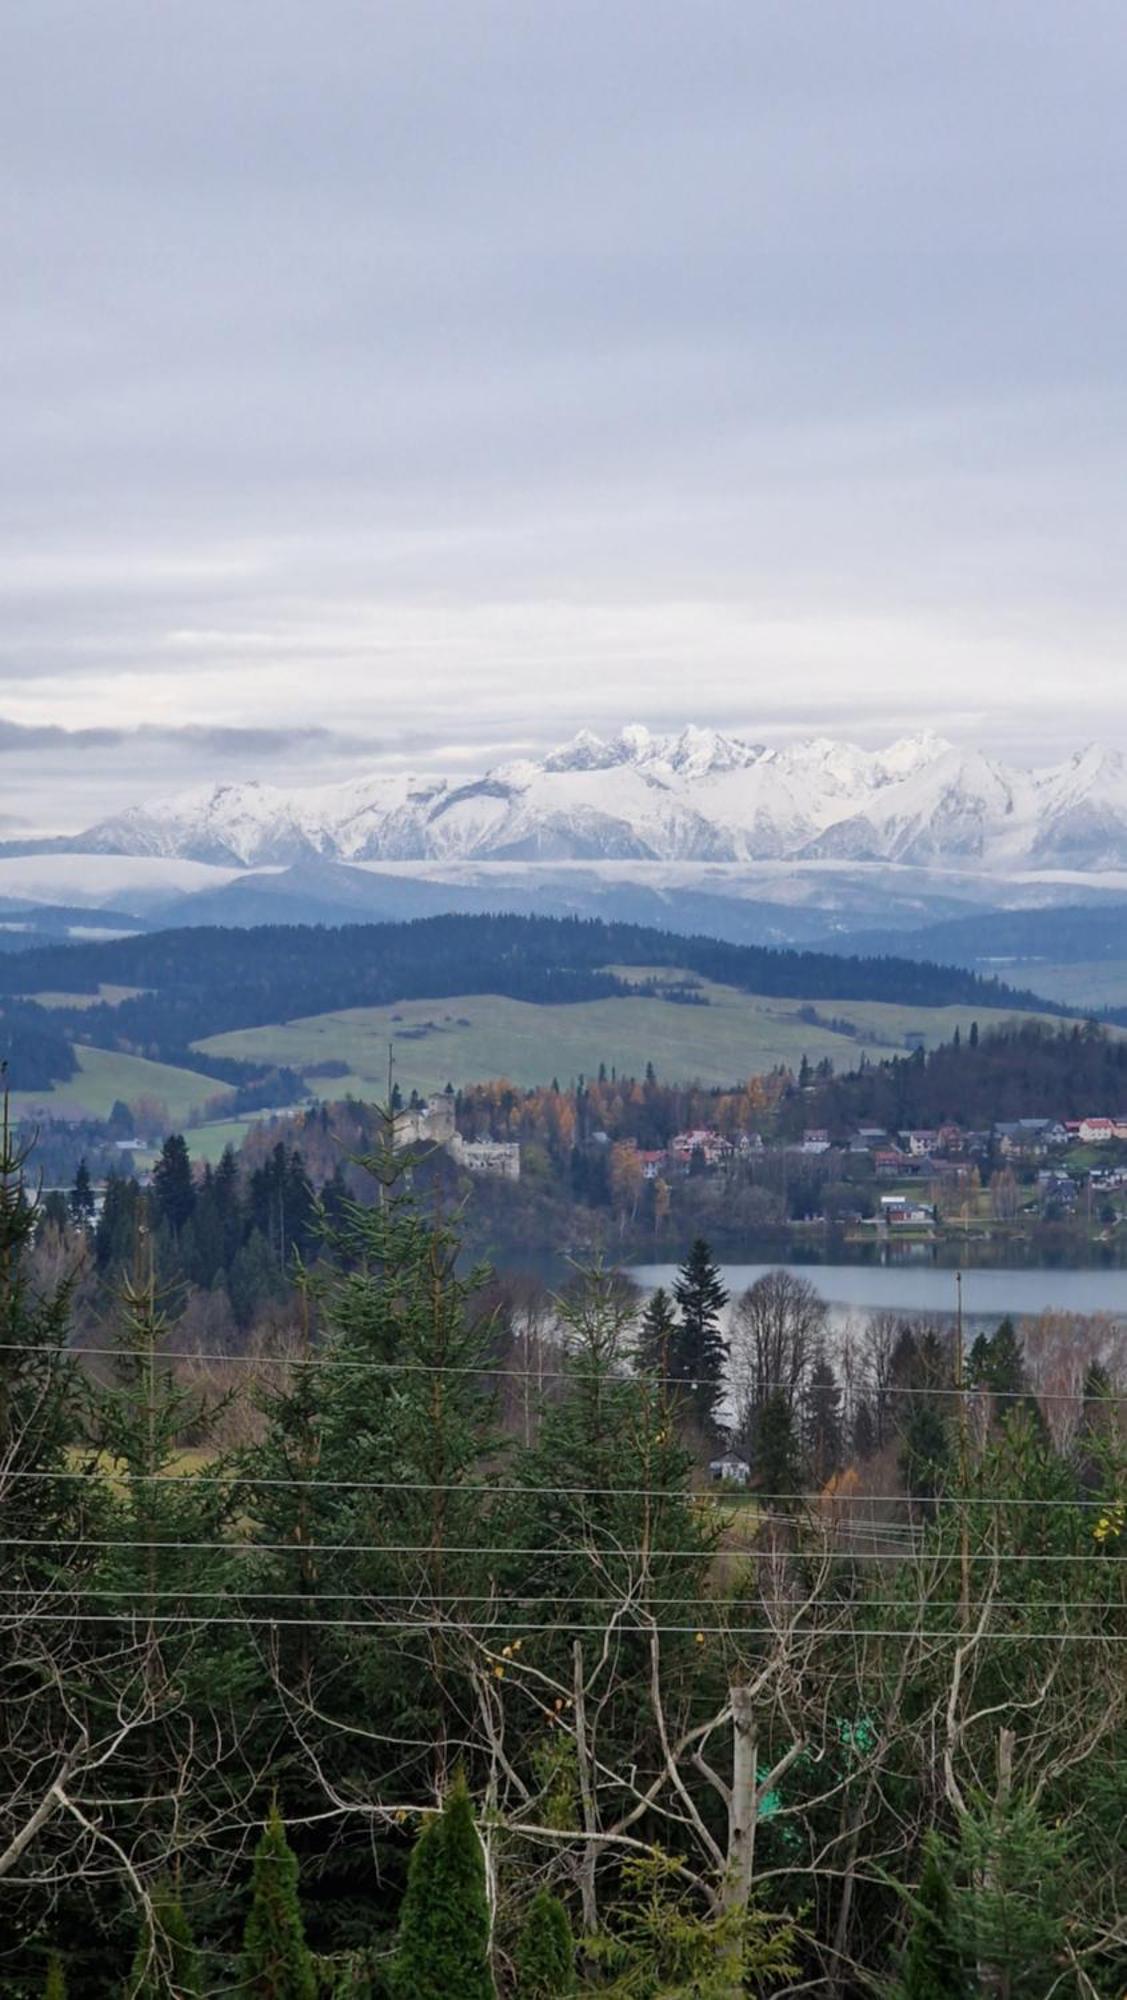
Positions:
{"x": 276, "y": 1962}
{"x": 373, "y": 1468}
{"x": 442, "y": 1949}
{"x": 778, "y": 1466}
{"x": 700, "y": 1351}
{"x": 174, "y": 1195}
{"x": 165, "y": 1965}
{"x": 81, "y": 1201}
{"x": 657, "y": 1335}
{"x": 932, "y": 1964}
{"x": 545, "y": 1953}
{"x": 822, "y": 1424}
{"x": 38, "y": 1412}
{"x": 163, "y": 1557}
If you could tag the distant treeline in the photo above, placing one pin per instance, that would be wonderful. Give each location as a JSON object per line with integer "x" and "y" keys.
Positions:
{"x": 35, "y": 1050}
{"x": 203, "y": 981}
{"x": 1016, "y": 1070}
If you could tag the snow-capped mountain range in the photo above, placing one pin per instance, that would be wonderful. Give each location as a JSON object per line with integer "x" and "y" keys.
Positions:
{"x": 697, "y": 796}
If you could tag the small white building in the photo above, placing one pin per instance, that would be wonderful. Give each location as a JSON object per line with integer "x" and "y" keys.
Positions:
{"x": 486, "y": 1156}
{"x": 729, "y": 1470}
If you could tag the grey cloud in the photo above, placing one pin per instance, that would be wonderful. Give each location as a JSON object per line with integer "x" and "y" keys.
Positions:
{"x": 238, "y": 742}
{"x": 332, "y": 334}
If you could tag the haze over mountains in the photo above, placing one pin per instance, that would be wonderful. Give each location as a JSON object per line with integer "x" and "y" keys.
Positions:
{"x": 696, "y": 796}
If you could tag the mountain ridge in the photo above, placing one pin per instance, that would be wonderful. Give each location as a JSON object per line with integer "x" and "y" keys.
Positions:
{"x": 697, "y": 795}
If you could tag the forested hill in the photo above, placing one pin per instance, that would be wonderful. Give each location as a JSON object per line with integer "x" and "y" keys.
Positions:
{"x": 200, "y": 982}
{"x": 1017, "y": 1070}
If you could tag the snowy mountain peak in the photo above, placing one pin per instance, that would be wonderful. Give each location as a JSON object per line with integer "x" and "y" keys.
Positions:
{"x": 697, "y": 795}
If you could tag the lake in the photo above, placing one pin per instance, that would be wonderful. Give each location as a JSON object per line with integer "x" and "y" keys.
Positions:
{"x": 923, "y": 1288}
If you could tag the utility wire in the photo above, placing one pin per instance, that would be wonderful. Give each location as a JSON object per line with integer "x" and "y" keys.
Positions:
{"x": 606, "y": 1551}
{"x": 114, "y": 1471}
{"x": 500, "y": 1369}
{"x": 141, "y": 1617}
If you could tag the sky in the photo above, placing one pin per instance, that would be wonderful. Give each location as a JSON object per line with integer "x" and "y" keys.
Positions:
{"x": 413, "y": 385}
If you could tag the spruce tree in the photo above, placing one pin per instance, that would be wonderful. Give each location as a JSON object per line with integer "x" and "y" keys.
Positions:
{"x": 545, "y": 1953}
{"x": 699, "y": 1351}
{"x": 165, "y": 1965}
{"x": 442, "y": 1949}
{"x": 658, "y": 1332}
{"x": 163, "y": 1558}
{"x": 276, "y": 1962}
{"x": 369, "y": 1494}
{"x": 822, "y": 1423}
{"x": 81, "y": 1201}
{"x": 778, "y": 1467}
{"x": 174, "y": 1194}
{"x": 932, "y": 1965}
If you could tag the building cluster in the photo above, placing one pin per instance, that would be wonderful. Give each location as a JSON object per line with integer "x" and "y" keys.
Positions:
{"x": 433, "y": 1124}
{"x": 1035, "y": 1149}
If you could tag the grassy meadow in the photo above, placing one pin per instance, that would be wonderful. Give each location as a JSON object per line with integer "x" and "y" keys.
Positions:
{"x": 472, "y": 1036}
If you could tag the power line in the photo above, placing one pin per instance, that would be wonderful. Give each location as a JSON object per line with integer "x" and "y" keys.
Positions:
{"x": 116, "y": 1472}
{"x": 606, "y": 1552}
{"x": 500, "y": 1369}
{"x": 430, "y": 1624}
{"x": 507, "y": 1602}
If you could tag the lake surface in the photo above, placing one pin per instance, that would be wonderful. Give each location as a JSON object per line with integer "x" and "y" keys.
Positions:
{"x": 919, "y": 1288}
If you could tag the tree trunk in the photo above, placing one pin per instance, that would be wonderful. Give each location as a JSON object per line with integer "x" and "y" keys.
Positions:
{"x": 587, "y": 1891}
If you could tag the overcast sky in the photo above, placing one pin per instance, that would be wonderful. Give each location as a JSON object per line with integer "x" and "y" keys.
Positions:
{"x": 419, "y": 381}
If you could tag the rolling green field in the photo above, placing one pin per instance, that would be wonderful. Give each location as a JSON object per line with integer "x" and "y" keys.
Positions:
{"x": 104, "y": 1075}
{"x": 475, "y": 1036}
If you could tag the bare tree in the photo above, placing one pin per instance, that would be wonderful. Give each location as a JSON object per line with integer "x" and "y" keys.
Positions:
{"x": 777, "y": 1325}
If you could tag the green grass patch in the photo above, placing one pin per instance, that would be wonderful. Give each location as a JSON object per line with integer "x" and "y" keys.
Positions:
{"x": 104, "y": 1075}
{"x": 473, "y": 1036}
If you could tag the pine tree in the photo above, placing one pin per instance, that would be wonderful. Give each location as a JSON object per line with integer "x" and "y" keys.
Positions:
{"x": 778, "y": 1467}
{"x": 38, "y": 1390}
{"x": 82, "y": 1198}
{"x": 545, "y": 1953}
{"x": 1006, "y": 1366}
{"x": 657, "y": 1335}
{"x": 276, "y": 1962}
{"x": 442, "y": 1949}
{"x": 174, "y": 1195}
{"x": 700, "y": 1351}
{"x": 374, "y": 1466}
{"x": 56, "y": 1987}
{"x": 822, "y": 1424}
{"x": 931, "y": 1968}
{"x": 165, "y": 1966}
{"x": 162, "y": 1554}
{"x": 116, "y": 1229}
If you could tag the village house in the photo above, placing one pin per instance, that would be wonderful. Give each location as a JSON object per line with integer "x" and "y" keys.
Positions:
{"x": 900, "y": 1211}
{"x": 815, "y": 1141}
{"x": 705, "y": 1140}
{"x": 729, "y": 1470}
{"x": 920, "y": 1144}
{"x": 1023, "y": 1138}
